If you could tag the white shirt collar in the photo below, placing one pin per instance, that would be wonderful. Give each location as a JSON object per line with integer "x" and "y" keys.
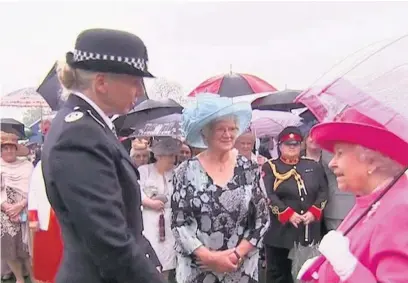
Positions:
{"x": 97, "y": 109}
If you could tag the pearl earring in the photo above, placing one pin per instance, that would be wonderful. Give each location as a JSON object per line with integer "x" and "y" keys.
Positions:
{"x": 370, "y": 172}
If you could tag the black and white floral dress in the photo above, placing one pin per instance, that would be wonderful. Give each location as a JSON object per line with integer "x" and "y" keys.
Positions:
{"x": 218, "y": 218}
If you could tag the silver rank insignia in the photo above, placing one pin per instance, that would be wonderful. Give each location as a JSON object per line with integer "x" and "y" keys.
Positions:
{"x": 73, "y": 116}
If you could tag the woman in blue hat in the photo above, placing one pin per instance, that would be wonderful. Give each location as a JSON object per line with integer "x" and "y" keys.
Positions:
{"x": 219, "y": 212}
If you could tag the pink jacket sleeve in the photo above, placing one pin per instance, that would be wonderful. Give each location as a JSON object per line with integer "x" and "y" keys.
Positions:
{"x": 388, "y": 251}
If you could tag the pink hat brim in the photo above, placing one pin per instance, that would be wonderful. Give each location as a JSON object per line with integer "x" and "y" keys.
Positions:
{"x": 378, "y": 139}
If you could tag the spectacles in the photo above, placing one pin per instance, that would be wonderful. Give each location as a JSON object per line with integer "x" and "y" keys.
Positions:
{"x": 222, "y": 131}
{"x": 292, "y": 143}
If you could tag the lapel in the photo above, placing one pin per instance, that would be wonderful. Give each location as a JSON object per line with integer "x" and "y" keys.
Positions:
{"x": 76, "y": 103}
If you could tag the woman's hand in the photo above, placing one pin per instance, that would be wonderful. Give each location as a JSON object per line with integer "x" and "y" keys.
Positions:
{"x": 34, "y": 226}
{"x": 308, "y": 218}
{"x": 5, "y": 206}
{"x": 156, "y": 205}
{"x": 219, "y": 261}
{"x": 14, "y": 210}
{"x": 296, "y": 219}
{"x": 336, "y": 249}
{"x": 15, "y": 219}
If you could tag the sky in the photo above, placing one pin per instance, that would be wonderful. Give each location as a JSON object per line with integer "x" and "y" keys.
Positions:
{"x": 289, "y": 44}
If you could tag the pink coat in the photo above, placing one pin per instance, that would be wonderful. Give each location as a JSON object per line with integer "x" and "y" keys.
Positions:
{"x": 379, "y": 241}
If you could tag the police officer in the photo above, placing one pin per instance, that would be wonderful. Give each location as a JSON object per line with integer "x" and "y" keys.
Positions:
{"x": 90, "y": 179}
{"x": 297, "y": 192}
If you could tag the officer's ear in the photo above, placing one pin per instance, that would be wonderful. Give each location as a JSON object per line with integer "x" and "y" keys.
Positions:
{"x": 100, "y": 83}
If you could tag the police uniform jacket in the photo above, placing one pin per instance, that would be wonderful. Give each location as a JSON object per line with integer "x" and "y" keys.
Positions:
{"x": 299, "y": 187}
{"x": 93, "y": 187}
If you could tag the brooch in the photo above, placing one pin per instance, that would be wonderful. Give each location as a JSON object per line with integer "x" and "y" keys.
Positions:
{"x": 372, "y": 211}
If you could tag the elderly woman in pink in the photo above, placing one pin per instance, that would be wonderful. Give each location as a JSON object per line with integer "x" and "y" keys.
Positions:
{"x": 367, "y": 157}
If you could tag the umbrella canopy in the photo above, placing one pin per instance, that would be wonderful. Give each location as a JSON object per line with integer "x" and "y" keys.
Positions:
{"x": 50, "y": 89}
{"x": 271, "y": 123}
{"x": 368, "y": 96}
{"x": 26, "y": 97}
{"x": 9, "y": 125}
{"x": 147, "y": 110}
{"x": 279, "y": 100}
{"x": 233, "y": 84}
{"x": 166, "y": 126}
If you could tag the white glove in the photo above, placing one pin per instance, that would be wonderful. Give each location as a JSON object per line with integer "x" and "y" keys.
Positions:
{"x": 336, "y": 249}
{"x": 306, "y": 266}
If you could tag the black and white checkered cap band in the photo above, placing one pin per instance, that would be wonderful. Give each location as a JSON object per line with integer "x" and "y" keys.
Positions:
{"x": 138, "y": 63}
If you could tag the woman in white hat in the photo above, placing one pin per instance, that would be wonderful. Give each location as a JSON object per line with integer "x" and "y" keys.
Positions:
{"x": 156, "y": 184}
{"x": 220, "y": 213}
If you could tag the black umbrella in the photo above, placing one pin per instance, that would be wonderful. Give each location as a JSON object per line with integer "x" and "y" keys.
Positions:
{"x": 166, "y": 126}
{"x": 147, "y": 110}
{"x": 9, "y": 125}
{"x": 279, "y": 100}
{"x": 50, "y": 89}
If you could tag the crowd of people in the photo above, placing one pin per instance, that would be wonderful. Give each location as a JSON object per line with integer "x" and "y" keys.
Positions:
{"x": 205, "y": 207}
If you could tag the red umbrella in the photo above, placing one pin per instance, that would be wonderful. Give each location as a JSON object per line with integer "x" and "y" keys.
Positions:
{"x": 233, "y": 84}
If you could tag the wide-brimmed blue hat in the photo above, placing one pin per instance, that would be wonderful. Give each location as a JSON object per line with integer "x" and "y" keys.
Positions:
{"x": 209, "y": 107}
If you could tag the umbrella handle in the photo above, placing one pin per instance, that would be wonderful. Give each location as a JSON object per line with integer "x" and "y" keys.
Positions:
{"x": 307, "y": 233}
{"x": 314, "y": 268}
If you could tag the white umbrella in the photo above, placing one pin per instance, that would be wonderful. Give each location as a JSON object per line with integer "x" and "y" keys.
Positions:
{"x": 26, "y": 97}
{"x": 271, "y": 123}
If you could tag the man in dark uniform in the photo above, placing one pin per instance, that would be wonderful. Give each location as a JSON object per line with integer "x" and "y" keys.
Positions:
{"x": 90, "y": 179}
{"x": 297, "y": 191}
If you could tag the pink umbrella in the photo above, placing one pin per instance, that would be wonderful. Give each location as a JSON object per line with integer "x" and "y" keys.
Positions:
{"x": 372, "y": 91}
{"x": 26, "y": 97}
{"x": 271, "y": 123}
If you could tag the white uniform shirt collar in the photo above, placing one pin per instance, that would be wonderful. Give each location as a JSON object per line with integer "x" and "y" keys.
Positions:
{"x": 97, "y": 109}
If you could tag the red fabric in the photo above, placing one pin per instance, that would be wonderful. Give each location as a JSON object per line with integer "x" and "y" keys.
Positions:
{"x": 328, "y": 134}
{"x": 257, "y": 84}
{"x": 291, "y": 136}
{"x": 350, "y": 115}
{"x": 45, "y": 126}
{"x": 285, "y": 215}
{"x": 32, "y": 216}
{"x": 213, "y": 85}
{"x": 317, "y": 212}
{"x": 47, "y": 251}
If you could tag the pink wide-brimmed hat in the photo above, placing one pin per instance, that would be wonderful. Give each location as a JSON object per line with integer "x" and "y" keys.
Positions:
{"x": 355, "y": 128}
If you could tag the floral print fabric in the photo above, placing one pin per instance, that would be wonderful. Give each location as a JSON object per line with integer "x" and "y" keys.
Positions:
{"x": 218, "y": 218}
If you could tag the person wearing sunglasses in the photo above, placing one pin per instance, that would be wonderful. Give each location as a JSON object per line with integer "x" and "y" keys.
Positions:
{"x": 297, "y": 192}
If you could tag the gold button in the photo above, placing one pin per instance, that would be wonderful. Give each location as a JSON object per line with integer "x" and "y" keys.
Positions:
{"x": 302, "y": 211}
{"x": 141, "y": 208}
{"x": 294, "y": 167}
{"x": 147, "y": 255}
{"x": 302, "y": 199}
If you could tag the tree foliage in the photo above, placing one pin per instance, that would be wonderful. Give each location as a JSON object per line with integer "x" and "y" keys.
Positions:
{"x": 163, "y": 88}
{"x": 31, "y": 115}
